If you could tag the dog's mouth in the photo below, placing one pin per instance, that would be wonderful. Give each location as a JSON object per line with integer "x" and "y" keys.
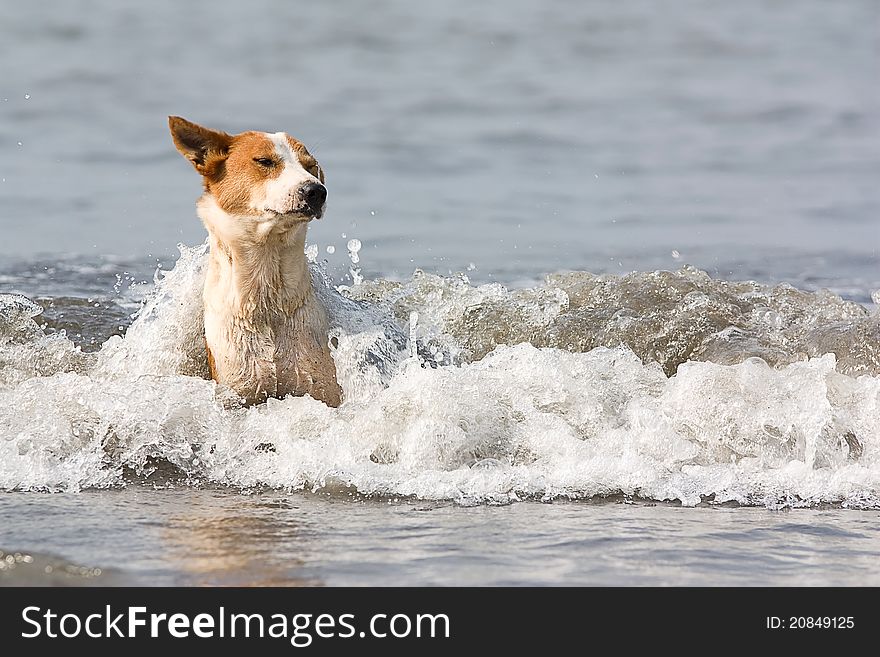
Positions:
{"x": 297, "y": 214}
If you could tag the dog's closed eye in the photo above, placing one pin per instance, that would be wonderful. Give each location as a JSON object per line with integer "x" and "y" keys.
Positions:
{"x": 267, "y": 162}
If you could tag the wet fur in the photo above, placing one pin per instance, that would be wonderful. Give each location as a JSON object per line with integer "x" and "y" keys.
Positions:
{"x": 265, "y": 330}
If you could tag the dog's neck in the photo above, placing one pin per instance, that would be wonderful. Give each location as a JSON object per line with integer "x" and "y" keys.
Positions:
{"x": 261, "y": 272}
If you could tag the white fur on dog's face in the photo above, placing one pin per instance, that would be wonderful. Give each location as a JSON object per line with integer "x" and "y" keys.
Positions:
{"x": 257, "y": 179}
{"x": 279, "y": 195}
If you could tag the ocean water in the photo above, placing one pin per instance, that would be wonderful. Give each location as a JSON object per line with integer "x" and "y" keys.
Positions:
{"x": 603, "y": 283}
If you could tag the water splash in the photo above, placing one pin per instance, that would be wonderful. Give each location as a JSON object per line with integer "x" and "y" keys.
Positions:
{"x": 354, "y": 247}
{"x": 663, "y": 385}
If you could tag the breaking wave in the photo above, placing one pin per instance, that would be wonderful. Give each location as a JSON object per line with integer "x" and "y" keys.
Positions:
{"x": 658, "y": 385}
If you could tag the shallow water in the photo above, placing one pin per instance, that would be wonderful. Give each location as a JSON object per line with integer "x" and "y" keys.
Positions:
{"x": 642, "y": 345}
{"x": 467, "y": 406}
{"x": 219, "y": 537}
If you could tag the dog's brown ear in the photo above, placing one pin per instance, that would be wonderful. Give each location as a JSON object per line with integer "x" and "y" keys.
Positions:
{"x": 201, "y": 146}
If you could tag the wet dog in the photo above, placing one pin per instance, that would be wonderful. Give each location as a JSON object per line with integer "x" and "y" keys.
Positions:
{"x": 265, "y": 330}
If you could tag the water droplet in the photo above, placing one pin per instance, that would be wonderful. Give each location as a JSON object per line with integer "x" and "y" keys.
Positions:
{"x": 27, "y": 96}
{"x": 354, "y": 245}
{"x": 676, "y": 254}
{"x": 875, "y": 297}
{"x": 19, "y": 143}
{"x": 331, "y": 249}
{"x": 373, "y": 212}
{"x": 471, "y": 266}
{"x": 312, "y": 252}
{"x": 343, "y": 235}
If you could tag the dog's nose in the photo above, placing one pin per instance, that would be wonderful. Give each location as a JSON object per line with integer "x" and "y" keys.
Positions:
{"x": 314, "y": 194}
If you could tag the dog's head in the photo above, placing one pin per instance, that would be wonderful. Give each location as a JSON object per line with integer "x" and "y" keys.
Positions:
{"x": 269, "y": 179}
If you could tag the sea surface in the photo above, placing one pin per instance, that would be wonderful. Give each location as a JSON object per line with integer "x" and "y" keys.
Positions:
{"x": 603, "y": 281}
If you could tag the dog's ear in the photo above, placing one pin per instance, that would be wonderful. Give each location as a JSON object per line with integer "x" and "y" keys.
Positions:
{"x": 201, "y": 146}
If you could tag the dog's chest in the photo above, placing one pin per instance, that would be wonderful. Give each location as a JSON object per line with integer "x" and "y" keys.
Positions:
{"x": 270, "y": 355}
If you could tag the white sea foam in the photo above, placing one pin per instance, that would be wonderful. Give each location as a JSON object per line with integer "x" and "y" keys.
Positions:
{"x": 562, "y": 389}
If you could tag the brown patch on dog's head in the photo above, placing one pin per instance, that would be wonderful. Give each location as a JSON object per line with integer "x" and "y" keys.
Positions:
{"x": 251, "y": 161}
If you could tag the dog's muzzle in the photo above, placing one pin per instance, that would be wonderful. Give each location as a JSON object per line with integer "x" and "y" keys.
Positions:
{"x": 314, "y": 194}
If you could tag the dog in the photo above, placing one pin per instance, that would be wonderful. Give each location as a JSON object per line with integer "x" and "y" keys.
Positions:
{"x": 266, "y": 333}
